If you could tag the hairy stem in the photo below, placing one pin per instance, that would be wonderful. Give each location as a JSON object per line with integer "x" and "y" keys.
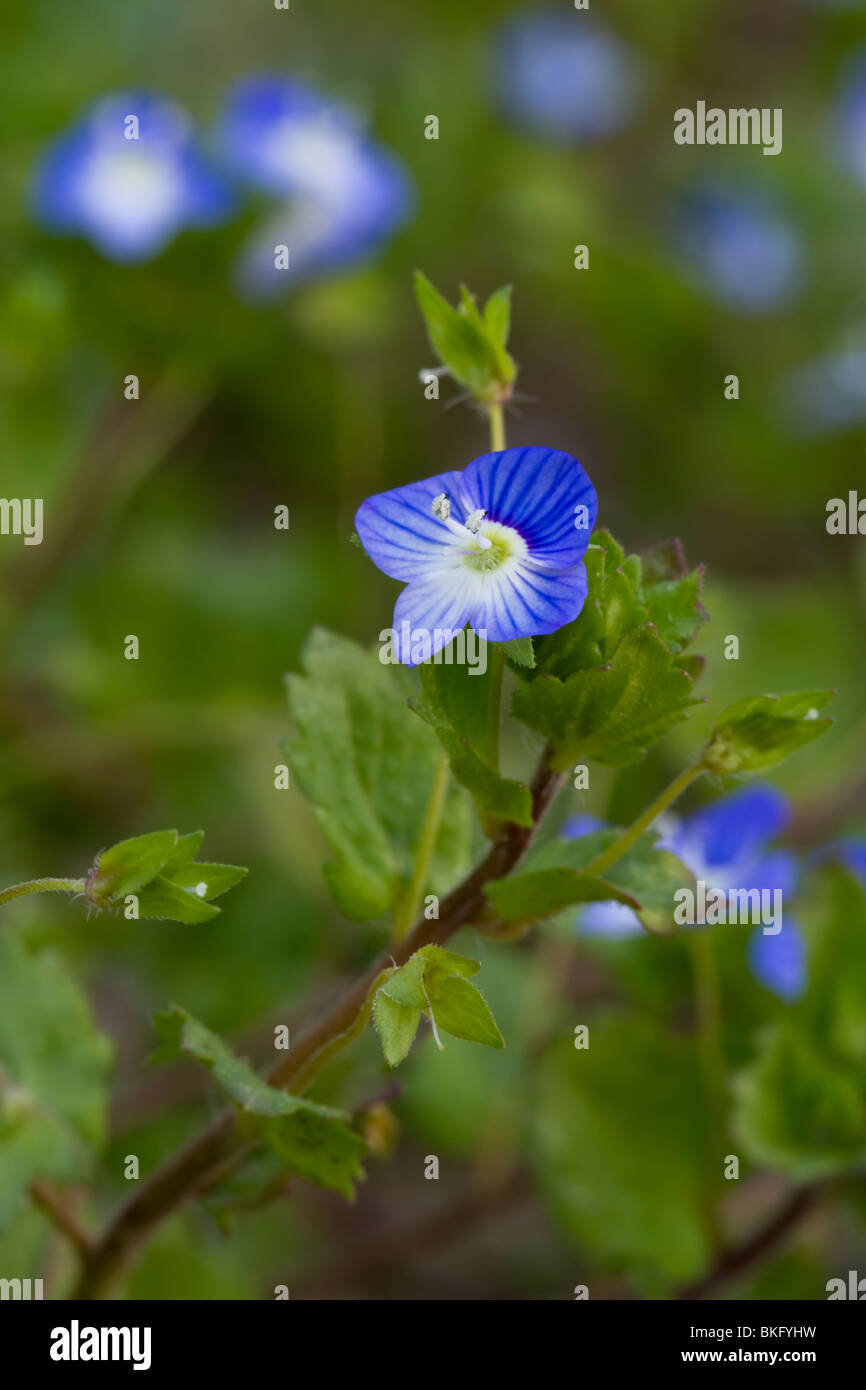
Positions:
{"x": 212, "y": 1152}
{"x": 644, "y": 821}
{"x": 496, "y": 415}
{"x": 42, "y": 885}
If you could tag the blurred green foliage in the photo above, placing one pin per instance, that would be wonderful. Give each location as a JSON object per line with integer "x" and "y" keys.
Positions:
{"x": 159, "y": 522}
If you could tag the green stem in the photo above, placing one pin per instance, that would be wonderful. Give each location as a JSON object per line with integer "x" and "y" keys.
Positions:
{"x": 311, "y": 1068}
{"x": 496, "y": 415}
{"x": 708, "y": 1007}
{"x": 42, "y": 885}
{"x": 411, "y": 900}
{"x": 494, "y": 709}
{"x": 644, "y": 821}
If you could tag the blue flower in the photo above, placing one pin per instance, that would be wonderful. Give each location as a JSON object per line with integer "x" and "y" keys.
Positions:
{"x": 829, "y": 393}
{"x": 499, "y": 546}
{"x": 727, "y": 845}
{"x": 340, "y": 194}
{"x": 128, "y": 177}
{"x": 565, "y": 78}
{"x": 739, "y": 248}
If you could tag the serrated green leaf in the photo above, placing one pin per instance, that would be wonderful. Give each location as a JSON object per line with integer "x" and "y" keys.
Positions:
{"x": 454, "y": 701}
{"x": 617, "y": 1144}
{"x": 54, "y": 1068}
{"x": 520, "y": 653}
{"x": 612, "y": 714}
{"x": 797, "y": 1112}
{"x": 439, "y": 963}
{"x": 164, "y": 900}
{"x": 311, "y": 1140}
{"x": 357, "y": 737}
{"x": 185, "y": 851}
{"x": 458, "y": 1007}
{"x": 215, "y": 879}
{"x": 130, "y": 864}
{"x": 396, "y": 1025}
{"x": 623, "y": 594}
{"x": 760, "y": 731}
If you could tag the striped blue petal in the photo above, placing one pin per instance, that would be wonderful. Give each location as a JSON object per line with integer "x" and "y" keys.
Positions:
{"x": 544, "y": 494}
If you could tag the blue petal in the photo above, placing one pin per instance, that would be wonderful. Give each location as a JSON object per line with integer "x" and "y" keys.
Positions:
{"x": 399, "y": 531}
{"x": 733, "y": 831}
{"x": 608, "y": 919}
{"x": 777, "y": 870}
{"x": 779, "y": 962}
{"x": 576, "y": 827}
{"x": 429, "y": 613}
{"x": 527, "y": 602}
{"x": 261, "y": 115}
{"x": 537, "y": 491}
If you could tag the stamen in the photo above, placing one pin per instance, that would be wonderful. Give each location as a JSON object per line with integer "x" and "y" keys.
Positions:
{"x": 441, "y": 508}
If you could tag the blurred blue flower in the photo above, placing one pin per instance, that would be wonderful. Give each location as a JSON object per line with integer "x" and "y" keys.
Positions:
{"x": 496, "y": 546}
{"x": 739, "y": 248}
{"x": 563, "y": 77}
{"x": 341, "y": 195}
{"x": 849, "y": 119}
{"x": 850, "y": 853}
{"x": 128, "y": 177}
{"x": 727, "y": 845}
{"x": 827, "y": 394}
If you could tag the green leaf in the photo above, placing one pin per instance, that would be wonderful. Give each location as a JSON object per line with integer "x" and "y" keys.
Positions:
{"x": 617, "y": 1143}
{"x": 467, "y": 344}
{"x": 646, "y": 878}
{"x": 519, "y": 652}
{"x": 357, "y": 737}
{"x": 311, "y": 1140}
{"x": 396, "y": 1025}
{"x": 454, "y": 701}
{"x": 159, "y": 869}
{"x": 624, "y": 593}
{"x": 211, "y": 879}
{"x": 797, "y": 1112}
{"x": 531, "y": 896}
{"x": 54, "y": 1068}
{"x": 834, "y": 1006}
{"x": 497, "y": 316}
{"x": 441, "y": 964}
{"x": 166, "y": 901}
{"x": 433, "y": 981}
{"x": 611, "y": 714}
{"x": 131, "y": 864}
{"x": 185, "y": 851}
{"x": 758, "y": 732}
{"x": 458, "y": 1007}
